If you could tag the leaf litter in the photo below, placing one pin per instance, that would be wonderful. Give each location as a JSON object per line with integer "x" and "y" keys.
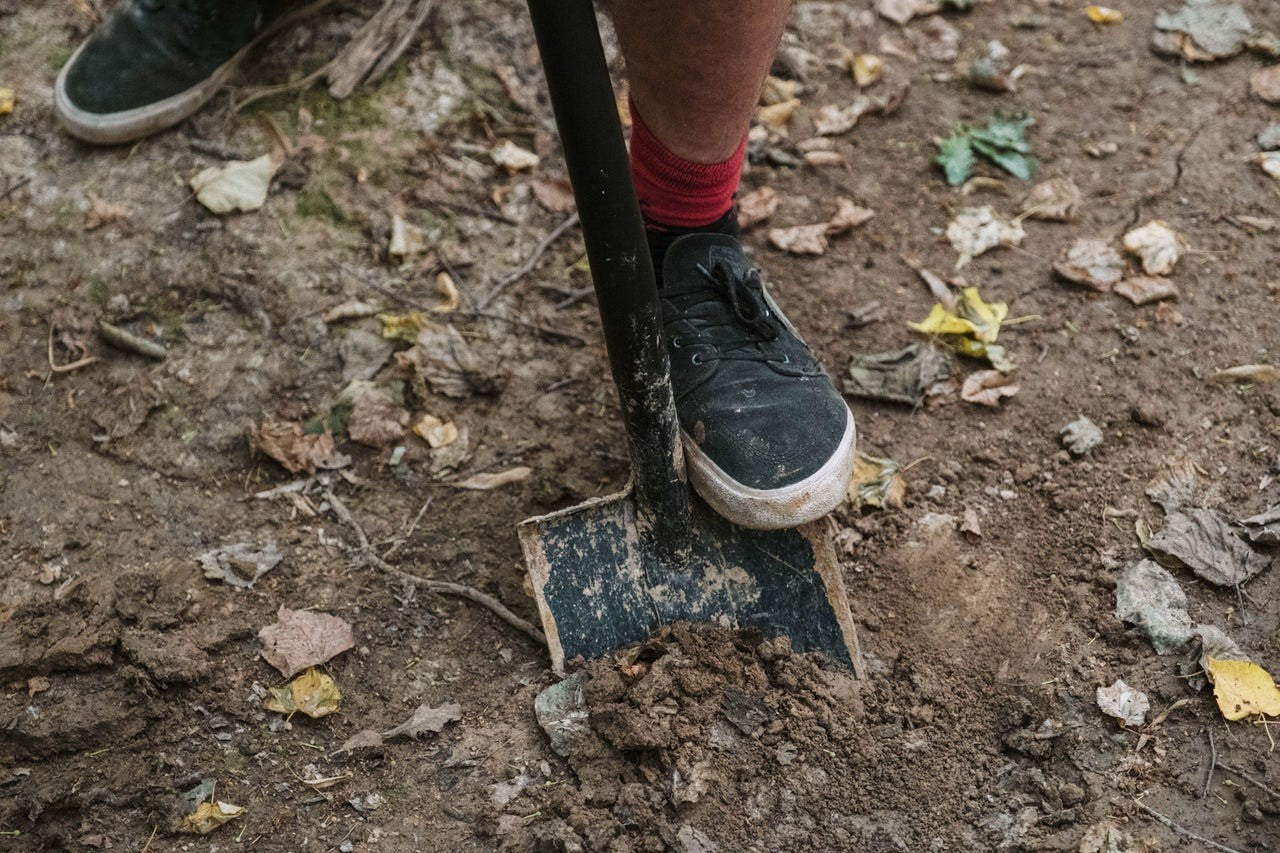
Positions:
{"x": 976, "y": 230}
{"x": 209, "y": 816}
{"x": 1123, "y": 702}
{"x": 1204, "y": 542}
{"x": 876, "y": 482}
{"x": 236, "y": 186}
{"x": 426, "y": 719}
{"x": 812, "y": 239}
{"x": 1243, "y": 689}
{"x": 1092, "y": 262}
{"x": 1156, "y": 245}
{"x": 901, "y": 376}
{"x": 1055, "y": 200}
{"x": 988, "y": 387}
{"x": 296, "y": 451}
{"x": 299, "y": 639}
{"x": 240, "y": 564}
{"x": 312, "y": 693}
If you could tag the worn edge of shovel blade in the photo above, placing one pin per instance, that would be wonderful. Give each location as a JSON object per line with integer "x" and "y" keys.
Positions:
{"x": 828, "y": 568}
{"x": 539, "y": 567}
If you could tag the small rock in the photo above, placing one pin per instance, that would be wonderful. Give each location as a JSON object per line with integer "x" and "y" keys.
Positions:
{"x": 1146, "y": 414}
{"x": 1269, "y": 138}
{"x": 1081, "y": 436}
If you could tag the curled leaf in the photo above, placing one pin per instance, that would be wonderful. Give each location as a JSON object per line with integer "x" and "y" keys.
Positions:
{"x": 1243, "y": 689}
{"x": 973, "y": 317}
{"x": 313, "y": 693}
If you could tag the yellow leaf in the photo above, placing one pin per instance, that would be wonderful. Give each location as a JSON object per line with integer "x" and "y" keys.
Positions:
{"x": 1104, "y": 15}
{"x": 401, "y": 327}
{"x": 209, "y": 816}
{"x": 973, "y": 317}
{"x": 7, "y": 100}
{"x": 1243, "y": 688}
{"x": 776, "y": 116}
{"x": 313, "y": 693}
{"x": 867, "y": 69}
{"x": 449, "y": 295}
{"x": 876, "y": 482}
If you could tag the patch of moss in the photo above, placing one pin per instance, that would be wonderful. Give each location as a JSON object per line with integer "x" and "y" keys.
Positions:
{"x": 99, "y": 290}
{"x": 316, "y": 203}
{"x": 58, "y": 57}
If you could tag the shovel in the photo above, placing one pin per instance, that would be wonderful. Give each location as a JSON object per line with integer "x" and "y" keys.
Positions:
{"x": 609, "y": 572}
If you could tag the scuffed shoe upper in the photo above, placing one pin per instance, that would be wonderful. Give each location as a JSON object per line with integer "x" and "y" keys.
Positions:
{"x": 748, "y": 391}
{"x": 150, "y": 50}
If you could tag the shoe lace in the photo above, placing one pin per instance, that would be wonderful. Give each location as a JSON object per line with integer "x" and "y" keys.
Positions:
{"x": 744, "y": 331}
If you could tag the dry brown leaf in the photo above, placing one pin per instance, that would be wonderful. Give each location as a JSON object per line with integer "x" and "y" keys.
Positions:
{"x": 512, "y": 157}
{"x": 1167, "y": 315}
{"x": 1057, "y": 200}
{"x": 847, "y": 217}
{"x": 902, "y": 11}
{"x": 800, "y": 239}
{"x": 484, "y": 482}
{"x": 426, "y": 720}
{"x": 979, "y": 229}
{"x": 376, "y": 419}
{"x": 778, "y": 116}
{"x": 988, "y": 387}
{"x": 1093, "y": 263}
{"x": 1144, "y": 289}
{"x": 970, "y": 528}
{"x": 449, "y": 296}
{"x": 102, "y": 212}
{"x": 302, "y": 638}
{"x": 285, "y": 442}
{"x": 824, "y": 158}
{"x": 353, "y": 310}
{"x": 363, "y": 739}
{"x": 812, "y": 239}
{"x": 435, "y": 432}
{"x": 209, "y": 816}
{"x": 555, "y": 194}
{"x": 777, "y": 91}
{"x": 937, "y": 39}
{"x": 757, "y": 206}
{"x": 1157, "y": 245}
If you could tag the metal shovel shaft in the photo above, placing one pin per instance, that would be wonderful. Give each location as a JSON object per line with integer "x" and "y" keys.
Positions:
{"x": 621, "y": 269}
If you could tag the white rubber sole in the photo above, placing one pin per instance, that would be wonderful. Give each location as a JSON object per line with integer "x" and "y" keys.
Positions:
{"x": 773, "y": 509}
{"x": 132, "y": 125}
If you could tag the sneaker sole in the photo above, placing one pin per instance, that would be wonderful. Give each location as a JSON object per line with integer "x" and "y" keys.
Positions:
{"x": 773, "y": 509}
{"x": 132, "y": 125}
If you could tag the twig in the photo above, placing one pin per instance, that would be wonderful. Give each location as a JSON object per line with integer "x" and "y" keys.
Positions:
{"x": 413, "y": 525}
{"x": 284, "y": 88}
{"x": 467, "y": 210}
{"x": 15, "y": 186}
{"x": 67, "y": 368}
{"x": 147, "y": 846}
{"x": 129, "y": 342}
{"x": 532, "y": 261}
{"x": 1213, "y": 762}
{"x": 442, "y": 587}
{"x": 516, "y": 321}
{"x": 1261, "y": 785}
{"x": 1182, "y": 830}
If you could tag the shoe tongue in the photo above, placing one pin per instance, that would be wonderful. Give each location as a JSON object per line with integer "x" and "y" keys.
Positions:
{"x": 688, "y": 253}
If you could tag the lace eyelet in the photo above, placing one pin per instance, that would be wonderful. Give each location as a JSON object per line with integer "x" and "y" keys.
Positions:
{"x": 786, "y": 359}
{"x": 696, "y": 359}
{"x": 676, "y": 343}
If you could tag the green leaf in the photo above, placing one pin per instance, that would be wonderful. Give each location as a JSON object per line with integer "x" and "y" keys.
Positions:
{"x": 955, "y": 156}
{"x": 1018, "y": 164}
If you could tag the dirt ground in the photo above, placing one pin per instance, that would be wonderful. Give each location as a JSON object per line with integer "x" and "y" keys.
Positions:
{"x": 129, "y": 678}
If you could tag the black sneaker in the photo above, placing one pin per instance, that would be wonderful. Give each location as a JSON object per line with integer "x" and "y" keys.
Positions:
{"x": 152, "y": 63}
{"x": 768, "y": 440}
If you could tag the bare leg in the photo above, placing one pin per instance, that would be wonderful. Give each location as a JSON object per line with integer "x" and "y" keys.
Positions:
{"x": 696, "y": 67}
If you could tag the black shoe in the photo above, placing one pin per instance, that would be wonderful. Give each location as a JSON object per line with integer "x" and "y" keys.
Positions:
{"x": 768, "y": 440}
{"x": 152, "y": 63}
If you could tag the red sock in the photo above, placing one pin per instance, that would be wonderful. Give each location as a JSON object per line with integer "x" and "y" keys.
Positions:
{"x": 675, "y": 192}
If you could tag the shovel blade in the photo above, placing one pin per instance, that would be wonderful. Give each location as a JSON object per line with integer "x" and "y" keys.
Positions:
{"x": 601, "y": 584}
